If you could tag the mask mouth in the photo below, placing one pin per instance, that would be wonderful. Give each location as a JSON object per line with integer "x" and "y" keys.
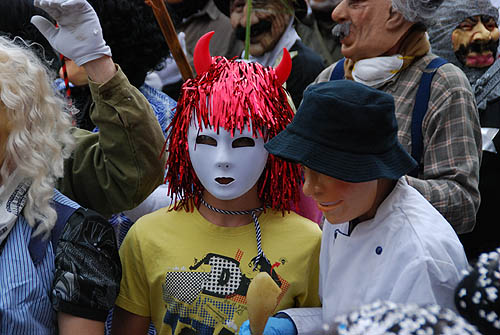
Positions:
{"x": 480, "y": 60}
{"x": 224, "y": 180}
{"x": 477, "y": 54}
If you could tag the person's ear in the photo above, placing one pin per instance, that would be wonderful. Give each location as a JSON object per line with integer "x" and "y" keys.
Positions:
{"x": 395, "y": 21}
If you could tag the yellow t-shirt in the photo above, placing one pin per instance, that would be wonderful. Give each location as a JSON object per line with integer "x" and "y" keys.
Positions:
{"x": 185, "y": 272}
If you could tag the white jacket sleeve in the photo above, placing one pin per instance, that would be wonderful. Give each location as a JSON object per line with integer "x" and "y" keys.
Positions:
{"x": 427, "y": 281}
{"x": 308, "y": 321}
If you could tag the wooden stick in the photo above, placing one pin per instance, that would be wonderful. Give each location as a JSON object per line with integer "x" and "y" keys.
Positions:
{"x": 247, "y": 30}
{"x": 168, "y": 30}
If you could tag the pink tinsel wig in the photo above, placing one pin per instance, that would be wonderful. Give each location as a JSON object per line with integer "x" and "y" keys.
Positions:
{"x": 239, "y": 95}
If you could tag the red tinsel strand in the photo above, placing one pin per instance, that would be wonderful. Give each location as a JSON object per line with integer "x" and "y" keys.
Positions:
{"x": 233, "y": 95}
{"x": 65, "y": 75}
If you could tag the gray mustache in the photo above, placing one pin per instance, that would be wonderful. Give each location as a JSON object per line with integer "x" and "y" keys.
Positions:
{"x": 341, "y": 30}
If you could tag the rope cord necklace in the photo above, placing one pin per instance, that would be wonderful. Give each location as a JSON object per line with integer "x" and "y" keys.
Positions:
{"x": 252, "y": 212}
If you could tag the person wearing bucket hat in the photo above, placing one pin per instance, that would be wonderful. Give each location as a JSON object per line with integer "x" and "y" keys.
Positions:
{"x": 272, "y": 30}
{"x": 382, "y": 240}
{"x": 385, "y": 46}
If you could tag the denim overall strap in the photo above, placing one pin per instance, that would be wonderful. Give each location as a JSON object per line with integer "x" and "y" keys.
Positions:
{"x": 338, "y": 70}
{"x": 64, "y": 207}
{"x": 420, "y": 109}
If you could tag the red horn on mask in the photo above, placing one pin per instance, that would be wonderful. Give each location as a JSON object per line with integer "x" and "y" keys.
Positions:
{"x": 201, "y": 57}
{"x": 284, "y": 67}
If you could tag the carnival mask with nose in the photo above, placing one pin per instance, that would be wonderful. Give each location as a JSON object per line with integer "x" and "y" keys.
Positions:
{"x": 227, "y": 165}
{"x": 475, "y": 41}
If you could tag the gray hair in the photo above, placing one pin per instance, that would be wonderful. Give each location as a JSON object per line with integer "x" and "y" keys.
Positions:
{"x": 417, "y": 11}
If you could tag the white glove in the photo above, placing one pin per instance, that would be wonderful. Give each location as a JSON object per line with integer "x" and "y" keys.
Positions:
{"x": 78, "y": 35}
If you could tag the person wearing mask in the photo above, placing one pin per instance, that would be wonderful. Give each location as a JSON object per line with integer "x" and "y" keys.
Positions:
{"x": 231, "y": 210}
{"x": 385, "y": 46}
{"x": 466, "y": 34}
{"x": 59, "y": 266}
{"x": 382, "y": 240}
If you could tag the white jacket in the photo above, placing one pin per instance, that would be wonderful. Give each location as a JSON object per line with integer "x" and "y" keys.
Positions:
{"x": 408, "y": 253}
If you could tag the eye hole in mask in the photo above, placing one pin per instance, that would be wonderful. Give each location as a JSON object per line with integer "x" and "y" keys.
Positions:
{"x": 243, "y": 142}
{"x": 204, "y": 139}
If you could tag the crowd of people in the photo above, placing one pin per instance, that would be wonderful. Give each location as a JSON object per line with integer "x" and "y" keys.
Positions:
{"x": 347, "y": 148}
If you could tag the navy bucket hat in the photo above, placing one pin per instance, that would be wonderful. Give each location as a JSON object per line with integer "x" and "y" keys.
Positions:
{"x": 345, "y": 130}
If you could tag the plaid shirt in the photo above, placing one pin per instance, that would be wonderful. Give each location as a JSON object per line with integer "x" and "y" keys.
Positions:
{"x": 451, "y": 139}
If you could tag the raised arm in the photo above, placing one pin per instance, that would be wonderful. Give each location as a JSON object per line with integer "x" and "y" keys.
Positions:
{"x": 117, "y": 168}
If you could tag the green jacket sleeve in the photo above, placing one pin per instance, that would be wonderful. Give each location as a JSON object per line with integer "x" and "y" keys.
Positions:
{"x": 116, "y": 168}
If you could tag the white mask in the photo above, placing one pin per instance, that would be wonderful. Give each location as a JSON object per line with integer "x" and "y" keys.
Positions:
{"x": 376, "y": 71}
{"x": 225, "y": 171}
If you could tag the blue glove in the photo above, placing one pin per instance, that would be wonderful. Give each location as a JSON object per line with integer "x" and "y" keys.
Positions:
{"x": 274, "y": 326}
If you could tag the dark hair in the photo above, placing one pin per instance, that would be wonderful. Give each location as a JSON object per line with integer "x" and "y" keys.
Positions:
{"x": 184, "y": 9}
{"x": 136, "y": 41}
{"x": 15, "y": 22}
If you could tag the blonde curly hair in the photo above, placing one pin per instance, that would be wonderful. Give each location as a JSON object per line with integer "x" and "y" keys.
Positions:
{"x": 40, "y": 125}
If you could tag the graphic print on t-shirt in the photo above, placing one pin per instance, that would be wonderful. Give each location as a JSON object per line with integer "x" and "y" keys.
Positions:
{"x": 210, "y": 298}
